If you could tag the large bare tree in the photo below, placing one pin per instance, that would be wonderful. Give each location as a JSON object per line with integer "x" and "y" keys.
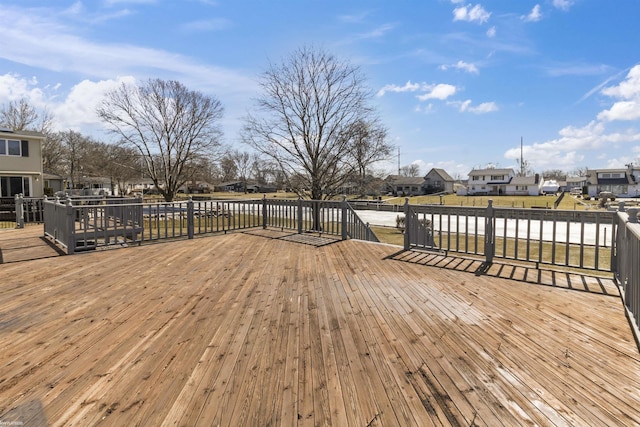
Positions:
{"x": 369, "y": 145}
{"x": 21, "y": 115}
{"x": 306, "y": 115}
{"x": 170, "y": 126}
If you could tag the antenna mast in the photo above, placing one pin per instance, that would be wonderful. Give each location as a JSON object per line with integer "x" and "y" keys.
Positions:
{"x": 522, "y": 171}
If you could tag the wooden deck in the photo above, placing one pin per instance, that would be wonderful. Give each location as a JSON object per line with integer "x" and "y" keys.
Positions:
{"x": 252, "y": 329}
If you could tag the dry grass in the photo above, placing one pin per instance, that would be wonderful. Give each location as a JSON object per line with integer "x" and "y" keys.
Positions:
{"x": 567, "y": 203}
{"x": 573, "y": 256}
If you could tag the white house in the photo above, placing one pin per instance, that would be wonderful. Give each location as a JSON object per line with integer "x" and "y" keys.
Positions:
{"x": 524, "y": 186}
{"x": 619, "y": 182}
{"x": 490, "y": 181}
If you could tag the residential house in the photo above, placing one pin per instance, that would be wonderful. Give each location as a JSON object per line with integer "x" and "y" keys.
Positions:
{"x": 52, "y": 183}
{"x": 21, "y": 163}
{"x": 489, "y": 182}
{"x": 404, "y": 185}
{"x": 438, "y": 181}
{"x": 231, "y": 186}
{"x": 524, "y": 186}
{"x": 619, "y": 182}
{"x": 575, "y": 184}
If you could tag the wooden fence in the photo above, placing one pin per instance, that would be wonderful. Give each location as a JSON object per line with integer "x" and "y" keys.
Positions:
{"x": 626, "y": 265}
{"x": 576, "y": 239}
{"x": 81, "y": 224}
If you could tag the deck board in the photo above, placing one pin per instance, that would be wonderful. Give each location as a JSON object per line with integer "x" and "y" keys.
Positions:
{"x": 258, "y": 329}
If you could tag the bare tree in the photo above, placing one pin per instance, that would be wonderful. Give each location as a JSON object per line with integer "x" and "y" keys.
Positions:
{"x": 412, "y": 170}
{"x": 309, "y": 107}
{"x": 228, "y": 168}
{"x": 54, "y": 154}
{"x": 21, "y": 115}
{"x": 556, "y": 174}
{"x": 169, "y": 125}
{"x": 579, "y": 171}
{"x": 368, "y": 145}
{"x": 242, "y": 159}
{"x": 75, "y": 159}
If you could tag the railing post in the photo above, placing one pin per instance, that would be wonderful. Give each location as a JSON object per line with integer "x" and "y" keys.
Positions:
{"x": 190, "y": 218}
{"x": 71, "y": 229}
{"x": 19, "y": 211}
{"x": 633, "y": 215}
{"x": 489, "y": 240}
{"x": 344, "y": 218}
{"x": 299, "y": 215}
{"x": 407, "y": 240}
{"x": 264, "y": 212}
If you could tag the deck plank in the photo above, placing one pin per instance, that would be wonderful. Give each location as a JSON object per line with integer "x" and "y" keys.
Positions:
{"x": 253, "y": 328}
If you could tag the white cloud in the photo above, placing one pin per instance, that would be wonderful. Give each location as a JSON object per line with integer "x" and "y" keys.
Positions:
{"x": 491, "y": 32}
{"x": 485, "y": 107}
{"x": 461, "y": 65}
{"x": 431, "y": 91}
{"x": 354, "y": 18}
{"x": 440, "y": 91}
{"x": 471, "y": 13}
{"x": 78, "y": 110}
{"x": 629, "y": 88}
{"x": 628, "y": 93}
{"x": 41, "y": 41}
{"x": 206, "y": 25}
{"x": 562, "y": 4}
{"x": 408, "y": 87}
{"x": 14, "y": 87}
{"x": 566, "y": 151}
{"x": 535, "y": 15}
{"x": 622, "y": 110}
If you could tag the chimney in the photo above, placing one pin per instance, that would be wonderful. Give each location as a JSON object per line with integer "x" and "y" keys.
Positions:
{"x": 537, "y": 176}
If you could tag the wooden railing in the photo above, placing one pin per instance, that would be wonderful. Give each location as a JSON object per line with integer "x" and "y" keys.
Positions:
{"x": 79, "y": 224}
{"x": 18, "y": 211}
{"x": 576, "y": 239}
{"x": 626, "y": 265}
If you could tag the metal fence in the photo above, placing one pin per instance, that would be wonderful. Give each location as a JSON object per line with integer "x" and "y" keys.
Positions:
{"x": 578, "y": 239}
{"x": 88, "y": 223}
{"x": 626, "y": 265}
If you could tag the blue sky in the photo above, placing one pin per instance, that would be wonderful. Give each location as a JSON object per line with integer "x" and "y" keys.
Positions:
{"x": 457, "y": 83}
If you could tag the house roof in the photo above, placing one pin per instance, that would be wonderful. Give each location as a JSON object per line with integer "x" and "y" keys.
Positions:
{"x": 443, "y": 174}
{"x": 491, "y": 171}
{"x": 571, "y": 179}
{"x": 6, "y": 133}
{"x": 408, "y": 180}
{"x": 594, "y": 179}
{"x": 523, "y": 180}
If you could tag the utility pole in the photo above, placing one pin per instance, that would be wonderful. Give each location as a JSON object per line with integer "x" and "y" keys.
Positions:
{"x": 398, "y": 160}
{"x": 522, "y": 171}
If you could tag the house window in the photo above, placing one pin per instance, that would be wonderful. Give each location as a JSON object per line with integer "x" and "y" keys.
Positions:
{"x": 606, "y": 175}
{"x": 11, "y": 147}
{"x": 12, "y": 185}
{"x": 497, "y": 177}
{"x": 476, "y": 178}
